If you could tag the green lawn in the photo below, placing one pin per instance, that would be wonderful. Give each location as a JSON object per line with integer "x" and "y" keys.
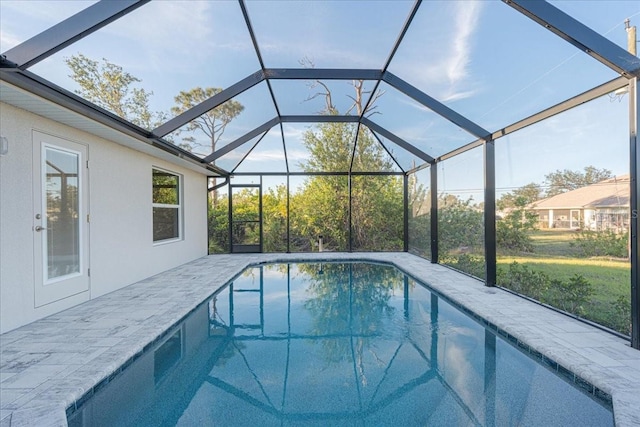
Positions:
{"x": 609, "y": 278}
{"x": 554, "y": 256}
{"x": 553, "y": 242}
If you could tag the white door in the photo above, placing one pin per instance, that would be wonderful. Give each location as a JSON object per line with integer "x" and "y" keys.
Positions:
{"x": 60, "y": 218}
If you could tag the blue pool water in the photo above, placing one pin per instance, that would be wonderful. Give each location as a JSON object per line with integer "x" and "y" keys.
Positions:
{"x": 336, "y": 344}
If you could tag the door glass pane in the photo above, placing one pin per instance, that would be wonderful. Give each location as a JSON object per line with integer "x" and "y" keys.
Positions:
{"x": 245, "y": 216}
{"x": 63, "y": 213}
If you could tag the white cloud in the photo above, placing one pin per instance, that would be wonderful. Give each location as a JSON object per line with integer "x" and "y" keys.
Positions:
{"x": 467, "y": 14}
{"x": 155, "y": 26}
{"x": 271, "y": 155}
{"x": 8, "y": 40}
{"x": 294, "y": 132}
{"x": 445, "y": 69}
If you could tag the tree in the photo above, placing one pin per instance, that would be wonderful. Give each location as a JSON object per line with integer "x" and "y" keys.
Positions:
{"x": 322, "y": 207}
{"x": 460, "y": 225}
{"x": 213, "y": 123}
{"x": 110, "y": 87}
{"x": 512, "y": 231}
{"x": 566, "y": 180}
{"x": 274, "y": 219}
{"x": 350, "y": 300}
{"x": 419, "y": 217}
{"x": 358, "y": 101}
{"x": 522, "y": 196}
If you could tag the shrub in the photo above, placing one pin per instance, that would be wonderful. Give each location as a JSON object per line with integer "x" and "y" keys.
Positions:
{"x": 570, "y": 296}
{"x": 601, "y": 243}
{"x": 512, "y": 231}
{"x": 460, "y": 225}
{"x": 470, "y": 264}
{"x": 621, "y": 319}
{"x": 511, "y": 238}
{"x": 521, "y": 279}
{"x": 218, "y": 218}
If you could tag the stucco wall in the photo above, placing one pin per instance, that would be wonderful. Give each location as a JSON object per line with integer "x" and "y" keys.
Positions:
{"x": 121, "y": 248}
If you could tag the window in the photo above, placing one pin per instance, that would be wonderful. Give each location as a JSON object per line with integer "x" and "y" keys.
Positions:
{"x": 167, "y": 209}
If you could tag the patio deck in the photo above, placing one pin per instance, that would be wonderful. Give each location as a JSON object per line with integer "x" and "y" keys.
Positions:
{"x": 48, "y": 365}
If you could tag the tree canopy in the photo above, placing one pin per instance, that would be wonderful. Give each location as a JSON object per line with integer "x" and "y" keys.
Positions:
{"x": 110, "y": 87}
{"x": 212, "y": 124}
{"x": 519, "y": 197}
{"x": 565, "y": 180}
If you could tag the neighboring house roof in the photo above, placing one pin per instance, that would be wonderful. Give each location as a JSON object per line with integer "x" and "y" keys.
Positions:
{"x": 609, "y": 193}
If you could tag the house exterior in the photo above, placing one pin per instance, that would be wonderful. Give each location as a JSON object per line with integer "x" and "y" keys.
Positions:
{"x": 86, "y": 209}
{"x": 600, "y": 206}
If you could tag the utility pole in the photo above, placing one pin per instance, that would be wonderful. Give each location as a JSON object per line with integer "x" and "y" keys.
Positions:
{"x": 631, "y": 37}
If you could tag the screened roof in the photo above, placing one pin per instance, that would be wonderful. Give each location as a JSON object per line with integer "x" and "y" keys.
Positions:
{"x": 421, "y": 79}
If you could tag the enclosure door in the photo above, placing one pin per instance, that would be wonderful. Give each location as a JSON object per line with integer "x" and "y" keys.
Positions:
{"x": 245, "y": 217}
{"x": 60, "y": 219}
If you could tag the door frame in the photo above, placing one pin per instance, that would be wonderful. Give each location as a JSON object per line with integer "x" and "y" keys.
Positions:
{"x": 245, "y": 248}
{"x": 47, "y": 291}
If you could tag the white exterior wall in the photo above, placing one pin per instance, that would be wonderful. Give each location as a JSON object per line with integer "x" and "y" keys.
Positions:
{"x": 121, "y": 249}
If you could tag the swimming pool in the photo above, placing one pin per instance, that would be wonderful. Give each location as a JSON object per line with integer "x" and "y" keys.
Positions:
{"x": 335, "y": 344}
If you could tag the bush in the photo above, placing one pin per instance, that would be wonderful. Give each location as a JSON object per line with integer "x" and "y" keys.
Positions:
{"x": 218, "y": 229}
{"x": 601, "y": 243}
{"x": 621, "y": 319}
{"x": 570, "y": 296}
{"x": 470, "y": 264}
{"x": 511, "y": 238}
{"x": 460, "y": 225}
{"x": 512, "y": 231}
{"x": 525, "y": 281}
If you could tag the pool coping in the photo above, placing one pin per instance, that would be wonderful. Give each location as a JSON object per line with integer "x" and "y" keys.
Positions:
{"x": 598, "y": 362}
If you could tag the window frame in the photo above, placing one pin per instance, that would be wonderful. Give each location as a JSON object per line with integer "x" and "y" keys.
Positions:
{"x": 178, "y": 206}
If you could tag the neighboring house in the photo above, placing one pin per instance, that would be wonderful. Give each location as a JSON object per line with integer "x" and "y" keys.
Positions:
{"x": 600, "y": 206}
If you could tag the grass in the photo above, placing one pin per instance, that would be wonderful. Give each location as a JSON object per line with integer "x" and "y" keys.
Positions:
{"x": 554, "y": 255}
{"x": 553, "y": 242}
{"x": 610, "y": 278}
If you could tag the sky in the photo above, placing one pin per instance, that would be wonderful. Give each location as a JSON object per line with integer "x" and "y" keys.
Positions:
{"x": 483, "y": 59}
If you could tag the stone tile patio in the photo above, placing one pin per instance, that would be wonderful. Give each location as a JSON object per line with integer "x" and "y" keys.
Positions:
{"x": 48, "y": 365}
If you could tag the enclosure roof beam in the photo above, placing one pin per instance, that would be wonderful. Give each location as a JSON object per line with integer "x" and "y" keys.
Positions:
{"x": 602, "y": 90}
{"x": 397, "y": 140}
{"x": 209, "y": 104}
{"x": 249, "y": 152}
{"x": 579, "y": 35}
{"x": 375, "y": 135}
{"x": 319, "y": 119}
{"x": 405, "y": 28}
{"x": 242, "y": 140}
{"x": 436, "y": 106}
{"x": 335, "y": 173}
{"x": 403, "y": 32}
{"x": 72, "y": 29}
{"x": 322, "y": 74}
{"x": 254, "y": 40}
